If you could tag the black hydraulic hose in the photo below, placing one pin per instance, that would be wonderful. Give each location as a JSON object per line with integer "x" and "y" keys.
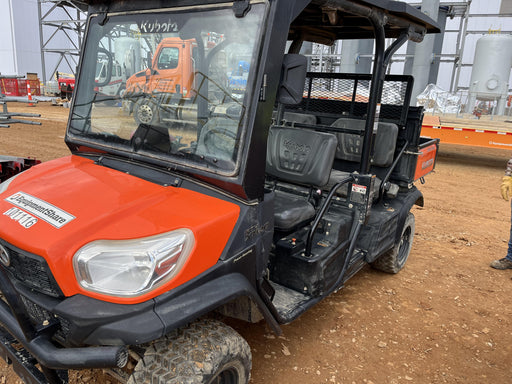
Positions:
{"x": 325, "y": 206}
{"x": 390, "y": 170}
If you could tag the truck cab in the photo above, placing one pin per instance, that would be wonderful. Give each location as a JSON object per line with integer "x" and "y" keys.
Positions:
{"x": 253, "y": 199}
{"x": 117, "y": 80}
{"x": 171, "y": 71}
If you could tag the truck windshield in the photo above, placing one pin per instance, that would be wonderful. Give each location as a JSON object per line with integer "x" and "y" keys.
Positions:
{"x": 182, "y": 90}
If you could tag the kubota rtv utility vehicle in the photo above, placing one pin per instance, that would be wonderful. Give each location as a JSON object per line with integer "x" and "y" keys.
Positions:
{"x": 255, "y": 203}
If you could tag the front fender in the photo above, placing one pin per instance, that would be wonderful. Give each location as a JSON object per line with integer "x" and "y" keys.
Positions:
{"x": 176, "y": 310}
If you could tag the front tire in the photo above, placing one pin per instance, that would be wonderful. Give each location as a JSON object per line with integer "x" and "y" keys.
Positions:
{"x": 394, "y": 260}
{"x": 204, "y": 352}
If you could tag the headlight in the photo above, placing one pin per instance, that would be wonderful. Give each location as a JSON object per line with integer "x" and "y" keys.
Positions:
{"x": 130, "y": 268}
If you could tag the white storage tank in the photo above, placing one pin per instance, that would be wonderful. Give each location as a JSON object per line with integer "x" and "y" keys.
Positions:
{"x": 127, "y": 53}
{"x": 491, "y": 71}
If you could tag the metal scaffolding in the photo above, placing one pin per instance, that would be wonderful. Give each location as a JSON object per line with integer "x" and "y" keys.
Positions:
{"x": 325, "y": 58}
{"x": 457, "y": 10}
{"x": 61, "y": 29}
{"x": 62, "y": 26}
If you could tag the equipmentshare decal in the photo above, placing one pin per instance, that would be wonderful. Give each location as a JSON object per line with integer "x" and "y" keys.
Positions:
{"x": 41, "y": 209}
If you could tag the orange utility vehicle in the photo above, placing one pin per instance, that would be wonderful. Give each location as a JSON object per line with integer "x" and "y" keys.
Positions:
{"x": 254, "y": 204}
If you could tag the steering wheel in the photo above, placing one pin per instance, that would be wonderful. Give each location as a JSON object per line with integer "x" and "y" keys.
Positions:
{"x": 219, "y": 138}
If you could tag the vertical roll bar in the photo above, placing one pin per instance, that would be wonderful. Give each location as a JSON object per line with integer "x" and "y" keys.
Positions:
{"x": 380, "y": 63}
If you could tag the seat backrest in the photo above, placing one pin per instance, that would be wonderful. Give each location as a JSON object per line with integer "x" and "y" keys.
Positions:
{"x": 385, "y": 144}
{"x": 350, "y": 145}
{"x": 300, "y": 156}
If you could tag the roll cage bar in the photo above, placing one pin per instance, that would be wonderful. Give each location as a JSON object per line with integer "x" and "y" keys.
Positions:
{"x": 327, "y": 21}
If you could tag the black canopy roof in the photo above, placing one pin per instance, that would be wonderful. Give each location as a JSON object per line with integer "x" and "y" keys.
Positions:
{"x": 325, "y": 21}
{"x": 320, "y": 21}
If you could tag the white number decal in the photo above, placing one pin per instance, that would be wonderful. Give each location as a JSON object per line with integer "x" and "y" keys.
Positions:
{"x": 23, "y": 218}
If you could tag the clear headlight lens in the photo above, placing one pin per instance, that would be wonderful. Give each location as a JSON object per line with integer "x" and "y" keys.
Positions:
{"x": 130, "y": 268}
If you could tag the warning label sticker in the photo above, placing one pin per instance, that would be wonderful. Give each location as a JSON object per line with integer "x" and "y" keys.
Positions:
{"x": 41, "y": 209}
{"x": 359, "y": 188}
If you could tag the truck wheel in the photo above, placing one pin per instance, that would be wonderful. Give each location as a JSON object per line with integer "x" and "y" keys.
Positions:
{"x": 394, "y": 260}
{"x": 204, "y": 352}
{"x": 145, "y": 112}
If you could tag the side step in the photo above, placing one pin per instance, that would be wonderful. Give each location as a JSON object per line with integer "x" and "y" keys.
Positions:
{"x": 290, "y": 304}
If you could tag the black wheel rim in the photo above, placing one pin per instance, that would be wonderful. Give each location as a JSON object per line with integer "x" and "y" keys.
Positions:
{"x": 403, "y": 250}
{"x": 227, "y": 376}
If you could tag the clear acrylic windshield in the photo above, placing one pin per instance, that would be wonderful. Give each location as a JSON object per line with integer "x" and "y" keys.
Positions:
{"x": 171, "y": 86}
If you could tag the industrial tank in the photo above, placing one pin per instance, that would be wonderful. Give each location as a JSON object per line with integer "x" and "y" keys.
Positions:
{"x": 127, "y": 53}
{"x": 491, "y": 71}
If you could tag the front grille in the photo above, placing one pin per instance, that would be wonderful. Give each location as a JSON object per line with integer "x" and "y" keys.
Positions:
{"x": 41, "y": 317}
{"x": 32, "y": 271}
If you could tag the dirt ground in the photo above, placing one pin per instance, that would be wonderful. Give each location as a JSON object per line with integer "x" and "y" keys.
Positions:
{"x": 445, "y": 318}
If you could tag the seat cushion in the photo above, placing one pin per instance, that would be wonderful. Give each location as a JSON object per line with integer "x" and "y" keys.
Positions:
{"x": 350, "y": 145}
{"x": 291, "y": 210}
{"x": 337, "y": 176}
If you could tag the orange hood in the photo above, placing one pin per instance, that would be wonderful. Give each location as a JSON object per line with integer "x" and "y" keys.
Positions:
{"x": 73, "y": 201}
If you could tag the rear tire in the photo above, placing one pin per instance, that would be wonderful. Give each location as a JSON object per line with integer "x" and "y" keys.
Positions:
{"x": 394, "y": 260}
{"x": 204, "y": 352}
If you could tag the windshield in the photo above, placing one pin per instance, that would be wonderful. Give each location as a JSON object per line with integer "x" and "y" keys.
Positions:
{"x": 183, "y": 90}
